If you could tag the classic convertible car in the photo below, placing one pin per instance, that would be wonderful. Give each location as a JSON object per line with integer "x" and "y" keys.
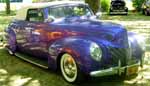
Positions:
{"x": 67, "y": 36}
{"x": 118, "y": 7}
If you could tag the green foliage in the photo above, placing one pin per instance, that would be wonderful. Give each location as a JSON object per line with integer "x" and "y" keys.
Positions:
{"x": 105, "y": 5}
{"x": 138, "y": 4}
{"x": 35, "y": 1}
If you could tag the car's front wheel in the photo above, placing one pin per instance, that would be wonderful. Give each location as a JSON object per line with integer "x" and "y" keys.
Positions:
{"x": 69, "y": 69}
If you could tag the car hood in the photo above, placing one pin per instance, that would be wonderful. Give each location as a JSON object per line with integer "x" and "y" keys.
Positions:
{"x": 111, "y": 32}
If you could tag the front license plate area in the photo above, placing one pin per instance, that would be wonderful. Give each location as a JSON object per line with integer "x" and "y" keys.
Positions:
{"x": 132, "y": 70}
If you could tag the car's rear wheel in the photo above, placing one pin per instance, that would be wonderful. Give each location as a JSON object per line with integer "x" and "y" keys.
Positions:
{"x": 69, "y": 69}
{"x": 11, "y": 44}
{"x": 110, "y": 12}
{"x": 126, "y": 10}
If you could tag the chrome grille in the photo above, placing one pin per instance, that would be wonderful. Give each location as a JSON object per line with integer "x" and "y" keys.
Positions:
{"x": 122, "y": 54}
{"x": 118, "y": 54}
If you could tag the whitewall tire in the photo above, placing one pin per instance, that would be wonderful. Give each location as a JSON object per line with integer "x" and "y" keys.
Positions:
{"x": 69, "y": 68}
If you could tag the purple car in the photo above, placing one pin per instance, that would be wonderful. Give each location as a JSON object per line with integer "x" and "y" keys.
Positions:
{"x": 67, "y": 36}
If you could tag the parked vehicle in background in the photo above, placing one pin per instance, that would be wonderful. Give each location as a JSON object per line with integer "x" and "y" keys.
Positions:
{"x": 67, "y": 36}
{"x": 146, "y": 7}
{"x": 118, "y": 7}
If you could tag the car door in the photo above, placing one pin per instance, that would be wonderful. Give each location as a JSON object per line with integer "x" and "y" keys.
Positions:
{"x": 34, "y": 38}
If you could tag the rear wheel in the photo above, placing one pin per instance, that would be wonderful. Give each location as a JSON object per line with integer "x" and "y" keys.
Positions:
{"x": 69, "y": 69}
{"x": 126, "y": 10}
{"x": 110, "y": 12}
{"x": 11, "y": 44}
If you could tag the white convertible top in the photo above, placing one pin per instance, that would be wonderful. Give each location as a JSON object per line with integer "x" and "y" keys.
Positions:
{"x": 21, "y": 13}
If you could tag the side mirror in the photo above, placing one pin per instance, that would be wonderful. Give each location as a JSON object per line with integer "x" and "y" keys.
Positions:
{"x": 50, "y": 19}
{"x": 98, "y": 15}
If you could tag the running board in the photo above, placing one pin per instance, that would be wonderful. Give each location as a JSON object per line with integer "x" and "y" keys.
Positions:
{"x": 33, "y": 60}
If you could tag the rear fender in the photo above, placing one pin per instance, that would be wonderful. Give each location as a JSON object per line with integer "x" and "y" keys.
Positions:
{"x": 11, "y": 39}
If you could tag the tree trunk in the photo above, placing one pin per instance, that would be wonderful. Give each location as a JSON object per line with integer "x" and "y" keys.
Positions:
{"x": 94, "y": 4}
{"x": 7, "y": 6}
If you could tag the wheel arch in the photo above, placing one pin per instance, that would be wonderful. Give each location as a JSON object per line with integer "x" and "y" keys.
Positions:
{"x": 75, "y": 47}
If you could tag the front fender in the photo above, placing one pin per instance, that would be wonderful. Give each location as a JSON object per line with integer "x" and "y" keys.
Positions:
{"x": 78, "y": 47}
{"x": 136, "y": 49}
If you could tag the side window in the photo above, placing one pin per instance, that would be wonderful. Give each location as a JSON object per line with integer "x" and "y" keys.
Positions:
{"x": 35, "y": 15}
{"x": 57, "y": 12}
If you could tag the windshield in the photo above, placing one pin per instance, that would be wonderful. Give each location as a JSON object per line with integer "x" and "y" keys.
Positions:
{"x": 67, "y": 11}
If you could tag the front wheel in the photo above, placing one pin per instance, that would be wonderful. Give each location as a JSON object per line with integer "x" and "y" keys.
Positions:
{"x": 69, "y": 69}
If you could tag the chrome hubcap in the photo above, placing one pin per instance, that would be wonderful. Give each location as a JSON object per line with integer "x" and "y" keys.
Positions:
{"x": 68, "y": 67}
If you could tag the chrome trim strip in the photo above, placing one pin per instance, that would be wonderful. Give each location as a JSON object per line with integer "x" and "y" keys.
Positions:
{"x": 45, "y": 67}
{"x": 118, "y": 12}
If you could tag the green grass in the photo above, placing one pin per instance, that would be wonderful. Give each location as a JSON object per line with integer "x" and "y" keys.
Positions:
{"x": 131, "y": 17}
{"x": 4, "y": 21}
{"x": 16, "y": 72}
{"x": 134, "y": 22}
{"x": 3, "y": 13}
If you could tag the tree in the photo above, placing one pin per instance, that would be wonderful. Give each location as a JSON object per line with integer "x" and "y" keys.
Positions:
{"x": 94, "y": 4}
{"x": 105, "y": 5}
{"x": 138, "y": 4}
{"x": 7, "y": 6}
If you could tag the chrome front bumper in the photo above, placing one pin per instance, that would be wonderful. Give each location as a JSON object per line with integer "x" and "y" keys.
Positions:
{"x": 118, "y": 12}
{"x": 113, "y": 70}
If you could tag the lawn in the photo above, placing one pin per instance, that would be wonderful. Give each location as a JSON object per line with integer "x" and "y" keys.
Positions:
{"x": 131, "y": 17}
{"x": 16, "y": 72}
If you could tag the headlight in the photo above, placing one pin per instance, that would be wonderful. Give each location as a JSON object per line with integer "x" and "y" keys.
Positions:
{"x": 141, "y": 41}
{"x": 96, "y": 52}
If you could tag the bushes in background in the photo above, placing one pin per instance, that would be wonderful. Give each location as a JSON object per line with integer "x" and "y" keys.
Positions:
{"x": 105, "y": 5}
{"x": 137, "y": 4}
